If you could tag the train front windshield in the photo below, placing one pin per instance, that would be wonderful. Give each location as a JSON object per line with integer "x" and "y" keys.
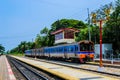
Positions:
{"x": 86, "y": 47}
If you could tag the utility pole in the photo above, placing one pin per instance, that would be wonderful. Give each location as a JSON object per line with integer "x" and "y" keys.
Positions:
{"x": 89, "y": 24}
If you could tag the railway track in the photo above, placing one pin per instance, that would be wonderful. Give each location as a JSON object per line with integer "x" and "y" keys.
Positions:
{"x": 71, "y": 65}
{"x": 31, "y": 73}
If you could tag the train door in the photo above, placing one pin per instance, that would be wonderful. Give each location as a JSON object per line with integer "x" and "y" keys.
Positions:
{"x": 75, "y": 50}
{"x": 65, "y": 51}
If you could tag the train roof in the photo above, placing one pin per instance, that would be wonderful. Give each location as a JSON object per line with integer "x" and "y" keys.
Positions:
{"x": 83, "y": 41}
{"x": 62, "y": 45}
{"x": 86, "y": 41}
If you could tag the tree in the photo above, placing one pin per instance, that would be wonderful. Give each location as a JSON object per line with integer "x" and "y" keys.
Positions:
{"x": 2, "y": 49}
{"x": 22, "y": 47}
{"x": 38, "y": 41}
{"x": 44, "y": 31}
{"x": 113, "y": 28}
{"x": 42, "y": 39}
{"x": 67, "y": 23}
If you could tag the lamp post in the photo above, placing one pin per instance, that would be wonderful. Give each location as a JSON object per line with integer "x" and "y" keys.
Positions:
{"x": 94, "y": 20}
{"x": 101, "y": 65}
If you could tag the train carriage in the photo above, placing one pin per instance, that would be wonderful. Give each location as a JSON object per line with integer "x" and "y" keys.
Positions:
{"x": 86, "y": 52}
{"x": 82, "y": 51}
{"x": 28, "y": 52}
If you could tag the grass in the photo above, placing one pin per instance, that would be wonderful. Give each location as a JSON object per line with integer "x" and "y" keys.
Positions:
{"x": 17, "y": 54}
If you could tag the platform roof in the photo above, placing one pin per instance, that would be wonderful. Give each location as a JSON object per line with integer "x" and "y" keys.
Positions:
{"x": 64, "y": 29}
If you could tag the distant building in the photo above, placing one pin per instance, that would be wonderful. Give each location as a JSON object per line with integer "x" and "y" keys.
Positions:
{"x": 66, "y": 35}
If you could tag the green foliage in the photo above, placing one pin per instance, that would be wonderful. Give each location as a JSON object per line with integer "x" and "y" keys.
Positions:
{"x": 82, "y": 35}
{"x": 22, "y": 47}
{"x": 67, "y": 23}
{"x": 42, "y": 39}
{"x": 2, "y": 49}
{"x": 17, "y": 54}
{"x": 95, "y": 34}
{"x": 103, "y": 12}
{"x": 112, "y": 29}
{"x": 44, "y": 31}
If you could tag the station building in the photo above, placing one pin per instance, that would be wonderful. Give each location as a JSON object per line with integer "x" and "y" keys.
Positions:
{"x": 66, "y": 35}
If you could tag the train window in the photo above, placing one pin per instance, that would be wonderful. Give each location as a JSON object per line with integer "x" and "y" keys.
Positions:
{"x": 86, "y": 47}
{"x": 47, "y": 51}
{"x": 76, "y": 48}
{"x": 39, "y": 51}
{"x": 36, "y": 51}
{"x": 65, "y": 49}
{"x": 71, "y": 49}
{"x": 44, "y": 51}
{"x": 61, "y": 49}
{"x": 56, "y": 50}
{"x": 51, "y": 50}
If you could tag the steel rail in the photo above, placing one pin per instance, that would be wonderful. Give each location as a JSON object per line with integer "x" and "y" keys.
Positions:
{"x": 29, "y": 73}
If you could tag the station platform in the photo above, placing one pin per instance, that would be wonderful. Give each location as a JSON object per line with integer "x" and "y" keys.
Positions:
{"x": 5, "y": 69}
{"x": 66, "y": 73}
{"x": 105, "y": 64}
{"x": 108, "y": 61}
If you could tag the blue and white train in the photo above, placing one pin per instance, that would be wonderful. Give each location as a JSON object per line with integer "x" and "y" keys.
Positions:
{"x": 82, "y": 51}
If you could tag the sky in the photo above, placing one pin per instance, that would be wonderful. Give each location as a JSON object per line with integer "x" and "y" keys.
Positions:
{"x": 22, "y": 20}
